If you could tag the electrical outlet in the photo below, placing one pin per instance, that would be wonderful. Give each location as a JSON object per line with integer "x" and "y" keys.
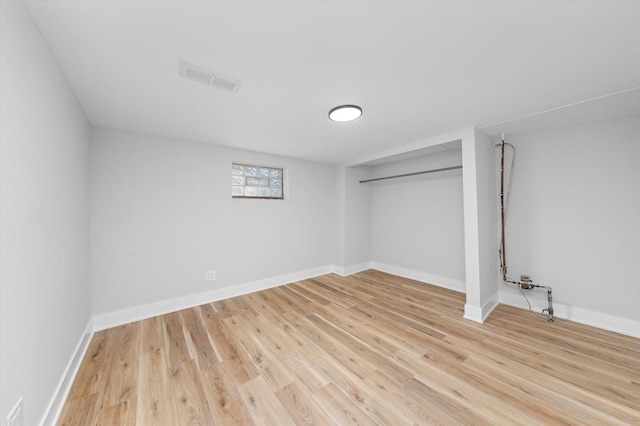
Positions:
{"x": 15, "y": 417}
{"x": 210, "y": 275}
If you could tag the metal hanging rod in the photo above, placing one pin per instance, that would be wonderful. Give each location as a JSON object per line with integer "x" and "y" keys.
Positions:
{"x": 413, "y": 174}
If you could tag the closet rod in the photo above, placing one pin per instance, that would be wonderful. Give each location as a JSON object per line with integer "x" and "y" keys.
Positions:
{"x": 413, "y": 174}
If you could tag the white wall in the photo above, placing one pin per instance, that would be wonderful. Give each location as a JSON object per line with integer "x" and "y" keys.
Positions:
{"x": 44, "y": 218}
{"x": 352, "y": 220}
{"x": 417, "y": 222}
{"x": 487, "y": 219}
{"x": 479, "y": 189}
{"x": 162, "y": 214}
{"x": 573, "y": 221}
{"x": 338, "y": 234}
{"x": 357, "y": 218}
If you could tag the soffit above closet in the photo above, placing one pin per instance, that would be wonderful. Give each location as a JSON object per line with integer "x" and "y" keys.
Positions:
{"x": 430, "y": 150}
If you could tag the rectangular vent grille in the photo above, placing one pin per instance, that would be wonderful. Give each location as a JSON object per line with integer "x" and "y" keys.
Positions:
{"x": 223, "y": 84}
{"x": 208, "y": 77}
{"x": 197, "y": 75}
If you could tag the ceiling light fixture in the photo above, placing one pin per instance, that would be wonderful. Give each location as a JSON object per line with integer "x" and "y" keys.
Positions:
{"x": 344, "y": 113}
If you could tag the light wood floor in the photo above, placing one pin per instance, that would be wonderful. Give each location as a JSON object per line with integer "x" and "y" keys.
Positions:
{"x": 368, "y": 349}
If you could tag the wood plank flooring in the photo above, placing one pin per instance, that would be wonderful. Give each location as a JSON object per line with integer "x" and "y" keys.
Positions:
{"x": 371, "y": 348}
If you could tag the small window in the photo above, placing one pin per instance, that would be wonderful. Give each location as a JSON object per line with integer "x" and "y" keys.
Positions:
{"x": 256, "y": 182}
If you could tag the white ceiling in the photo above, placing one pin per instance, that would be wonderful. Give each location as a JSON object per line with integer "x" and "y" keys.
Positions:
{"x": 417, "y": 69}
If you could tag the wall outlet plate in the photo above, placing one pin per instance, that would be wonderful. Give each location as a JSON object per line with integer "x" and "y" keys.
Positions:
{"x": 210, "y": 275}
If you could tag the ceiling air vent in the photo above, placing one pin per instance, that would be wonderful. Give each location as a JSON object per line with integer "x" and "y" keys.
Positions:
{"x": 208, "y": 77}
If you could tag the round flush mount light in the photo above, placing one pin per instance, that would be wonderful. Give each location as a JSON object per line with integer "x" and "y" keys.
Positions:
{"x": 344, "y": 113}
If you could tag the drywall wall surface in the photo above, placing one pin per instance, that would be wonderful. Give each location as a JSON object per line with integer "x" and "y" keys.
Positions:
{"x": 572, "y": 221}
{"x": 479, "y": 225}
{"x": 357, "y": 217}
{"x": 44, "y": 218}
{"x": 339, "y": 174}
{"x": 417, "y": 221}
{"x": 352, "y": 220}
{"x": 162, "y": 215}
{"x": 487, "y": 212}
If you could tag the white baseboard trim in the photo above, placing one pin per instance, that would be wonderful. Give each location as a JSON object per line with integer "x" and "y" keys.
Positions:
{"x": 473, "y": 313}
{"x": 137, "y": 313}
{"x": 448, "y": 283}
{"x": 480, "y": 314}
{"x": 350, "y": 270}
{"x": 583, "y": 316}
{"x": 54, "y": 409}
